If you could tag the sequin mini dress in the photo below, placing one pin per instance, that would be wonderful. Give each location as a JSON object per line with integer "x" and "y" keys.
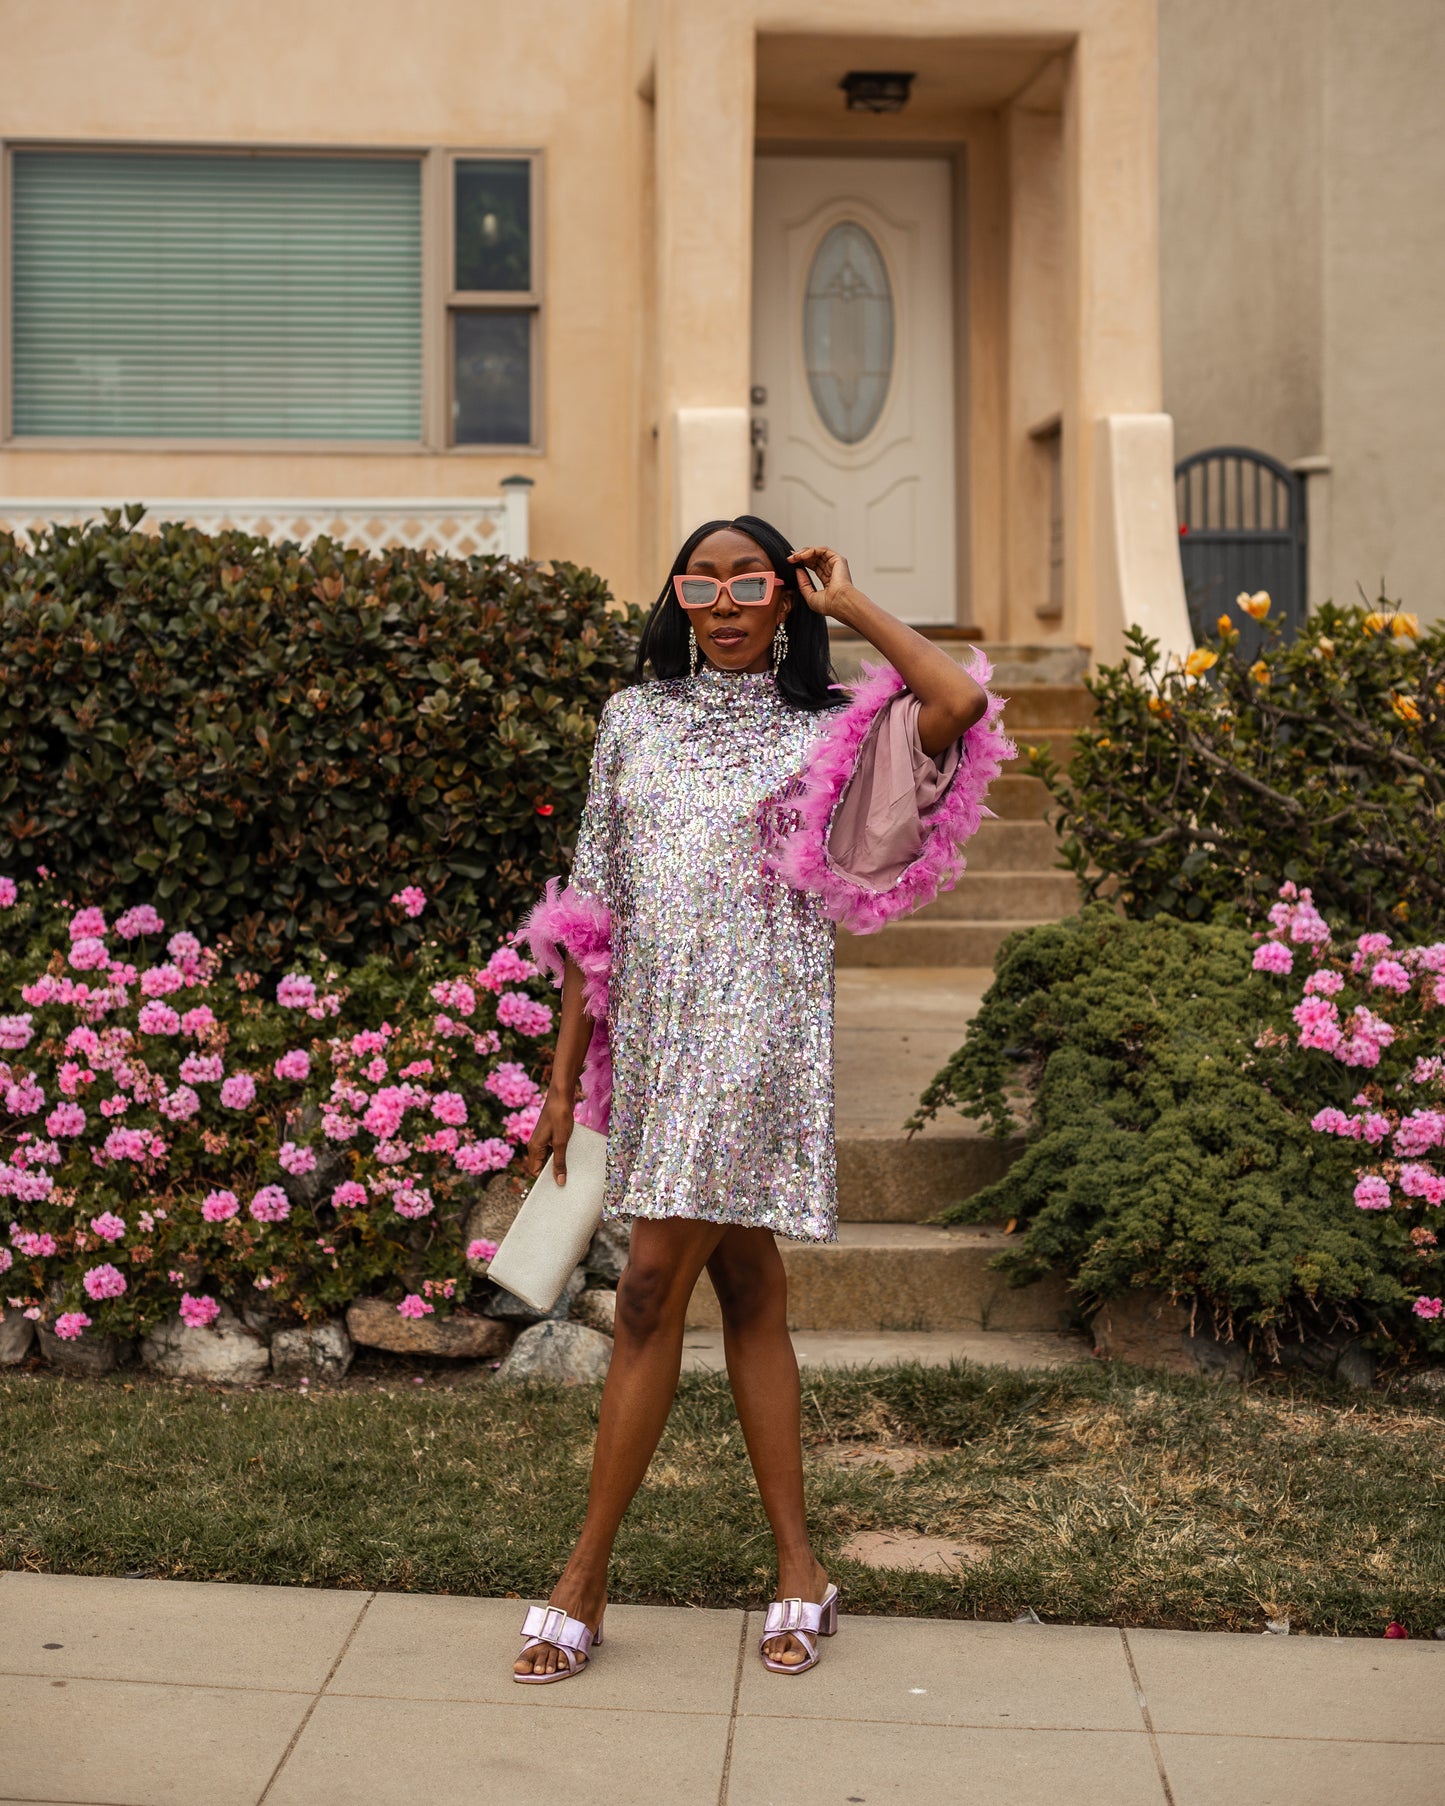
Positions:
{"x": 708, "y": 947}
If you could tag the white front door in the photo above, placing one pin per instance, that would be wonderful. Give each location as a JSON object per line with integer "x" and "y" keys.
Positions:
{"x": 853, "y": 395}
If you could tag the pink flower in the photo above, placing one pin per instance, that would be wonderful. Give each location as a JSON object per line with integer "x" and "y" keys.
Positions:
{"x": 1318, "y": 1022}
{"x": 65, "y": 1119}
{"x": 16, "y": 1033}
{"x": 238, "y": 1091}
{"x": 160, "y": 981}
{"x": 393, "y": 1153}
{"x": 138, "y": 921}
{"x": 24, "y": 1099}
{"x": 509, "y": 1081}
{"x": 104, "y": 1282}
{"x": 455, "y": 994}
{"x": 294, "y": 1065}
{"x": 520, "y": 1124}
{"x": 88, "y": 955}
{"x": 488, "y": 1156}
{"x": 202, "y": 1069}
{"x": 87, "y": 925}
{"x": 181, "y": 1104}
{"x": 1335, "y": 1122}
{"x": 412, "y": 1201}
{"x": 349, "y": 1195}
{"x": 507, "y": 967}
{"x": 412, "y": 900}
{"x": 1417, "y": 1133}
{"x": 1369, "y": 1035}
{"x": 158, "y": 1019}
{"x": 31, "y": 1245}
{"x": 376, "y": 1070}
{"x": 296, "y": 992}
{"x": 7, "y": 1260}
{"x": 71, "y": 1324}
{"x": 441, "y": 1141}
{"x": 1372, "y": 1193}
{"x": 1375, "y": 1128}
{"x": 449, "y": 1107}
{"x": 336, "y": 1127}
{"x": 414, "y": 1306}
{"x": 515, "y": 1009}
{"x": 1422, "y": 1182}
{"x": 109, "y": 1227}
{"x": 270, "y": 1205}
{"x": 199, "y": 1021}
{"x": 481, "y": 1250}
{"x": 488, "y": 1042}
{"x": 196, "y": 1313}
{"x": 219, "y": 1206}
{"x": 1273, "y": 957}
{"x": 1390, "y": 975}
{"x": 296, "y": 1159}
{"x": 1324, "y": 983}
{"x": 8, "y": 893}
{"x": 1429, "y": 1308}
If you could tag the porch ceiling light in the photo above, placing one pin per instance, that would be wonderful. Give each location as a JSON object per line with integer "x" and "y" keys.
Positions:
{"x": 876, "y": 90}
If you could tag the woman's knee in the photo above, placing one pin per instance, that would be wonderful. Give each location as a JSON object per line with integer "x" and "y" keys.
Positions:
{"x": 646, "y": 1297}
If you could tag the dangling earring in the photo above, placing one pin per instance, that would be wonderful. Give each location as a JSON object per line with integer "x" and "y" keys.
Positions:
{"x": 780, "y": 645}
{"x": 691, "y": 650}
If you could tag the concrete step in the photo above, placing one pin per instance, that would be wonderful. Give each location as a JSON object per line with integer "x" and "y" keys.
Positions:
{"x": 1014, "y": 666}
{"x": 903, "y": 1276}
{"x": 1058, "y": 741}
{"x": 912, "y": 1179}
{"x": 1032, "y": 708}
{"x": 1019, "y": 798}
{"x": 920, "y": 941}
{"x": 702, "y": 1349}
{"x": 1004, "y": 897}
{"x": 1014, "y": 846}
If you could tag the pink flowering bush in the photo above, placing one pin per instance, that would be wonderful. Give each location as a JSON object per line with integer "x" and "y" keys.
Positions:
{"x": 174, "y": 1135}
{"x": 1371, "y": 1017}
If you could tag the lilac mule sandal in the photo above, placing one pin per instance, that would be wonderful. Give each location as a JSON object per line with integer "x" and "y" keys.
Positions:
{"x": 801, "y": 1619}
{"x": 569, "y": 1636}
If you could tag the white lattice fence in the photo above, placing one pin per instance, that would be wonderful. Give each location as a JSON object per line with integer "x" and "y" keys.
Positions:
{"x": 497, "y": 525}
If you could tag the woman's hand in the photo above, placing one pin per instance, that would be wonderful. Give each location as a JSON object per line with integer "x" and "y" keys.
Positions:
{"x": 831, "y": 570}
{"x": 551, "y": 1135}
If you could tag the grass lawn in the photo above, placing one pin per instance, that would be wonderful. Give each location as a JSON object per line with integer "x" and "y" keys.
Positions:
{"x": 1092, "y": 1494}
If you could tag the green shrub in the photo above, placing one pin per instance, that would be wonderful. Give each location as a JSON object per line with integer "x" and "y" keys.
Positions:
{"x": 1323, "y": 763}
{"x": 1168, "y": 1115}
{"x": 270, "y": 742}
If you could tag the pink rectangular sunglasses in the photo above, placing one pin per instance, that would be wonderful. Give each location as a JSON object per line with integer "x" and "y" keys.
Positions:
{"x": 753, "y": 589}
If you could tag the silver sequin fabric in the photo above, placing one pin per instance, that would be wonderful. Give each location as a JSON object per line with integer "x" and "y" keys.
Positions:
{"x": 721, "y": 999}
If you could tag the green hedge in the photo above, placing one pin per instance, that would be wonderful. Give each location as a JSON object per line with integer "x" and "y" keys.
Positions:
{"x": 1322, "y": 763}
{"x": 1167, "y": 1116}
{"x": 268, "y": 741}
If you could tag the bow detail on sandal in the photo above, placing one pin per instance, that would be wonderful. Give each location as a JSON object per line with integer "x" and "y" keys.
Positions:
{"x": 802, "y": 1619}
{"x": 570, "y": 1637}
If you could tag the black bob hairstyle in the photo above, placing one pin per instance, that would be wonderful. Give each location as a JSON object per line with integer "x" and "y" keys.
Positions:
{"x": 806, "y": 673}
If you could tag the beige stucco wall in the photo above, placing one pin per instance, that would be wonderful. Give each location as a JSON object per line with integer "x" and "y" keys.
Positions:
{"x": 556, "y": 75}
{"x": 1302, "y": 247}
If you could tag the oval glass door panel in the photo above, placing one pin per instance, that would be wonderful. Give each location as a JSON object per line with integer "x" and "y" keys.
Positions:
{"x": 848, "y": 331}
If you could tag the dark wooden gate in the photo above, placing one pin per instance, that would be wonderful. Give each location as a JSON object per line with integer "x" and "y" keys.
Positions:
{"x": 1241, "y": 528}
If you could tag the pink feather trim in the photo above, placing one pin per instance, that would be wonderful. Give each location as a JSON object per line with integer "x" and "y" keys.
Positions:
{"x": 795, "y": 823}
{"x": 568, "y": 921}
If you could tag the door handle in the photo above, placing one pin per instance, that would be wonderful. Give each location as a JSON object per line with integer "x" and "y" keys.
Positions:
{"x": 759, "y": 437}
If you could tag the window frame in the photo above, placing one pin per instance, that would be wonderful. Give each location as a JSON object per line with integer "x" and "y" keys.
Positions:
{"x": 456, "y": 301}
{"x": 436, "y": 165}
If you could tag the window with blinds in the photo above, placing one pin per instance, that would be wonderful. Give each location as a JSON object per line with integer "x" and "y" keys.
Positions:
{"x": 216, "y": 297}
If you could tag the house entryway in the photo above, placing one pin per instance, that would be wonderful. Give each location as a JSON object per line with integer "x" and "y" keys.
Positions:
{"x": 853, "y": 399}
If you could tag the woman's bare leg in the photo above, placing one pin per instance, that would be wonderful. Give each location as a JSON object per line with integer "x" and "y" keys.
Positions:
{"x": 747, "y": 1274}
{"x": 652, "y": 1298}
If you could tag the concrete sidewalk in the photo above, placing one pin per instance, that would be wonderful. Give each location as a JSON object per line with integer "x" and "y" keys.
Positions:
{"x": 130, "y": 1692}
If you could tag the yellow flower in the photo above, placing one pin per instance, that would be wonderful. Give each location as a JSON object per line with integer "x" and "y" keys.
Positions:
{"x": 1375, "y": 622}
{"x": 1325, "y": 647}
{"x": 1226, "y": 628}
{"x": 1259, "y": 671}
{"x": 1403, "y": 707}
{"x": 1405, "y": 627}
{"x": 1200, "y": 661}
{"x": 1157, "y": 706}
{"x": 1255, "y": 606}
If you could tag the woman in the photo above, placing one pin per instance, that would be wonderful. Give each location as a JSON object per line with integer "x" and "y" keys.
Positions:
{"x": 739, "y": 806}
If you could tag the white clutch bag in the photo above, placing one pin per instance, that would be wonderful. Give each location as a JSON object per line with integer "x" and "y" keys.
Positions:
{"x": 556, "y": 1222}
